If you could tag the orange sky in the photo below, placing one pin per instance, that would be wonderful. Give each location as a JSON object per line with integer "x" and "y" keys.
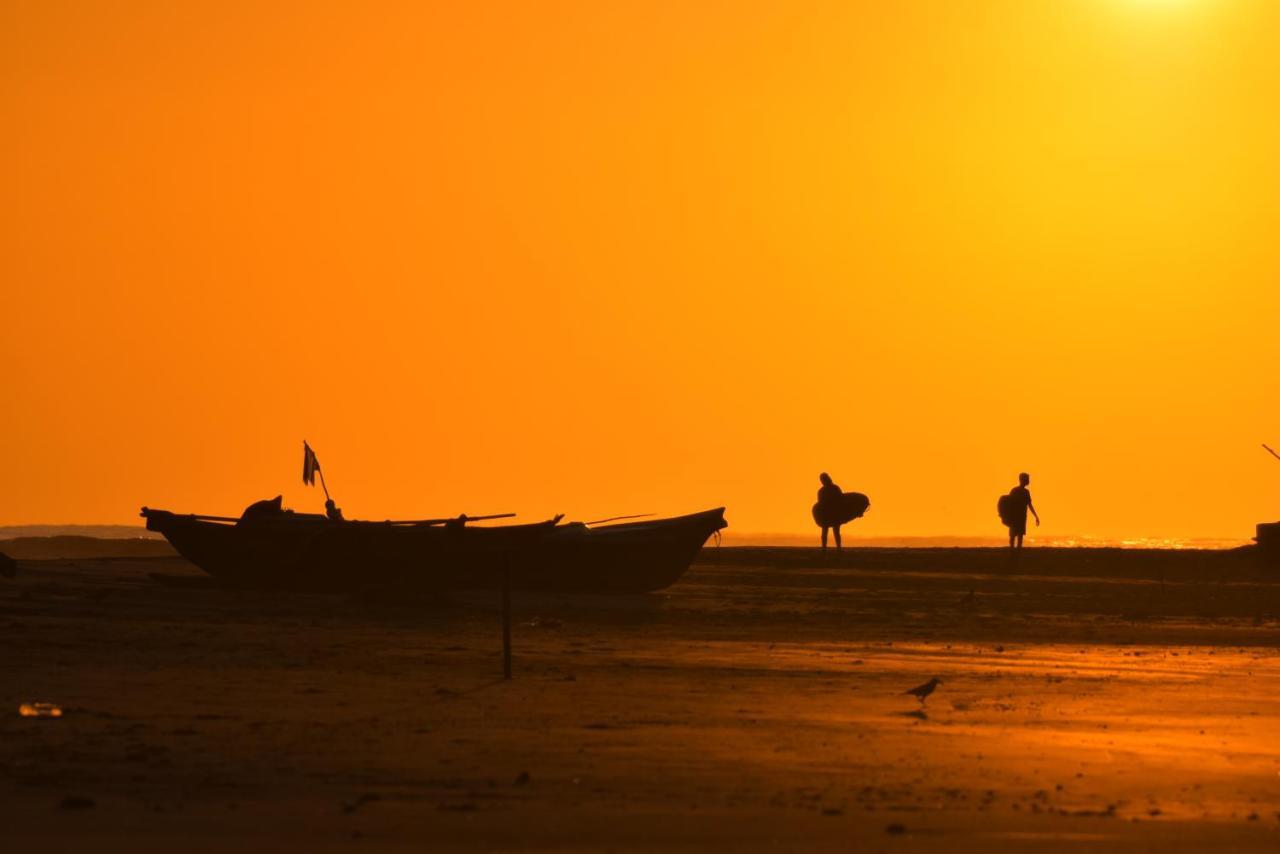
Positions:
{"x": 601, "y": 258}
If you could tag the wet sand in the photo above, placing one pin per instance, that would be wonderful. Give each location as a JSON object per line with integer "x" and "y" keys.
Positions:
{"x": 1092, "y": 699}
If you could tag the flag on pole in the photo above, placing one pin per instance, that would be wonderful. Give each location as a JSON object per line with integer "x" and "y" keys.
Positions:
{"x": 310, "y": 465}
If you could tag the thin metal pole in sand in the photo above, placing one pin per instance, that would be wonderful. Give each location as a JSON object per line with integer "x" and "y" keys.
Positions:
{"x": 506, "y": 623}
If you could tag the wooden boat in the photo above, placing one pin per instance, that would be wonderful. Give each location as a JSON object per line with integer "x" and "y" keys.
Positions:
{"x": 297, "y": 551}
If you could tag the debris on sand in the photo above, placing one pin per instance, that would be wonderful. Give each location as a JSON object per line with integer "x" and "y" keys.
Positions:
{"x": 40, "y": 710}
{"x": 896, "y": 828}
{"x": 522, "y": 779}
{"x": 76, "y": 802}
{"x": 543, "y": 623}
{"x": 366, "y": 798}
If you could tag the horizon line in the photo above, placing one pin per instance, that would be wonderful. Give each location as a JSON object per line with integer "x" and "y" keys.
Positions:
{"x": 780, "y": 538}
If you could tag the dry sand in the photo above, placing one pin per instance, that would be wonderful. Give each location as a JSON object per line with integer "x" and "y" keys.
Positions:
{"x": 1097, "y": 700}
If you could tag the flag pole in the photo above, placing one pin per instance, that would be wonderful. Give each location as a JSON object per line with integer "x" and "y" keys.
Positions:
{"x": 322, "y": 483}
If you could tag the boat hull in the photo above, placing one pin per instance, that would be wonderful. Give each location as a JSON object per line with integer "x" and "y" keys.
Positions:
{"x": 1268, "y": 540}
{"x": 637, "y": 557}
{"x": 313, "y": 554}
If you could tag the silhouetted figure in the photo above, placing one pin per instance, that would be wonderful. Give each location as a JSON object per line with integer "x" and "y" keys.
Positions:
{"x": 268, "y": 508}
{"x": 1013, "y": 512}
{"x": 829, "y": 506}
{"x": 836, "y": 507}
{"x": 333, "y": 511}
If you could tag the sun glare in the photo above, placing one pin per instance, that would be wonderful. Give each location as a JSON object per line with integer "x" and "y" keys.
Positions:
{"x": 1157, "y": 4}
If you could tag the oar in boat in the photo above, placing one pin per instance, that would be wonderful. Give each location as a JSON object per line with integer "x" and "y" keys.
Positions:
{"x": 147, "y": 512}
{"x": 461, "y": 519}
{"x": 464, "y": 518}
{"x": 617, "y": 518}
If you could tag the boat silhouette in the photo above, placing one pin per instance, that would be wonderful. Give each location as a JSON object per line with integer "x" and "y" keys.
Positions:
{"x": 309, "y": 552}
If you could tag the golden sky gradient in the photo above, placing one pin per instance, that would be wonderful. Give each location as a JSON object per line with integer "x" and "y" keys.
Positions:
{"x": 601, "y": 258}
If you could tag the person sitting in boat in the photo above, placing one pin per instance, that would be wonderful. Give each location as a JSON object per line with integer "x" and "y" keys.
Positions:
{"x": 333, "y": 511}
{"x": 268, "y": 508}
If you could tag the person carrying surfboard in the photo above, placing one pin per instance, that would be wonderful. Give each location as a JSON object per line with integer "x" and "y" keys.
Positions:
{"x": 836, "y": 507}
{"x": 829, "y": 499}
{"x": 1013, "y": 511}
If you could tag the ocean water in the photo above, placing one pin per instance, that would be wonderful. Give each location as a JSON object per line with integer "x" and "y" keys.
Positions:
{"x": 732, "y": 538}
{"x": 736, "y": 538}
{"x": 101, "y": 532}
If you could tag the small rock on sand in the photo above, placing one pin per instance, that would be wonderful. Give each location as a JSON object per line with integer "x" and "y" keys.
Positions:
{"x": 76, "y": 802}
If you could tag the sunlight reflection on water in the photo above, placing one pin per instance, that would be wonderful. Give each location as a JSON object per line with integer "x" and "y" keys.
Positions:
{"x": 1140, "y": 542}
{"x": 1083, "y": 541}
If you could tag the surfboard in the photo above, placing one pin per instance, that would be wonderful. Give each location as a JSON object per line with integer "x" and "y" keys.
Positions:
{"x": 850, "y": 506}
{"x": 1007, "y": 510}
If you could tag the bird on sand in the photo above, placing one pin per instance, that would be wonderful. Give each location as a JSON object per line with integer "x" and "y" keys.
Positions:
{"x": 920, "y": 692}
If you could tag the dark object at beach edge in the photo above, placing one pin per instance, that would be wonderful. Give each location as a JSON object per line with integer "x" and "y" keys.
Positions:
{"x": 295, "y": 551}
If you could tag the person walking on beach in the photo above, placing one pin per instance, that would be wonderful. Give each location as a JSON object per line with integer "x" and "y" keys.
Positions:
{"x": 828, "y": 509}
{"x": 1013, "y": 512}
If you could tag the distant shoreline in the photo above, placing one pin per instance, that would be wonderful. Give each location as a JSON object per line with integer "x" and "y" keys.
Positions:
{"x": 735, "y": 538}
{"x": 145, "y": 544}
{"x": 97, "y": 532}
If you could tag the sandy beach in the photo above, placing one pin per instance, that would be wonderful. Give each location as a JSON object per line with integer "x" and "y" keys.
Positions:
{"x": 1099, "y": 699}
